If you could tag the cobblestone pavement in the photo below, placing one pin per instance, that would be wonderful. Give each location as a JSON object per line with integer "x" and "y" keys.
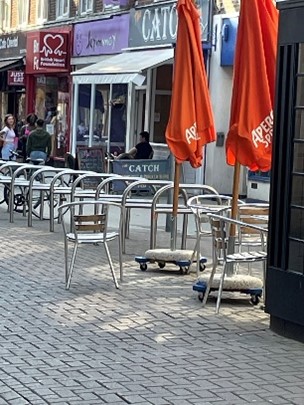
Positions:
{"x": 148, "y": 343}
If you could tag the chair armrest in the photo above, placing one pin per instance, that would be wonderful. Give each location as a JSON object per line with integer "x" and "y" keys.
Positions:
{"x": 238, "y": 223}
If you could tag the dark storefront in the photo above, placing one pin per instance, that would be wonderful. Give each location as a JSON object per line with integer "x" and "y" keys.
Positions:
{"x": 12, "y": 86}
{"x": 285, "y": 273}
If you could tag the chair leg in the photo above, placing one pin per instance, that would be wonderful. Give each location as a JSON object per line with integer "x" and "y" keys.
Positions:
{"x": 209, "y": 284}
{"x": 220, "y": 290}
{"x": 68, "y": 283}
{"x": 213, "y": 271}
{"x": 52, "y": 221}
{"x": 120, "y": 258}
{"x": 41, "y": 205}
{"x": 125, "y": 217}
{"x": 66, "y": 252}
{"x": 264, "y": 280}
{"x": 153, "y": 229}
{"x": 127, "y": 223}
{"x": 111, "y": 264}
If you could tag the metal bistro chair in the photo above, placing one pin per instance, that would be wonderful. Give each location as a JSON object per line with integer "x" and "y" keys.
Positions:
{"x": 159, "y": 207}
{"x": 220, "y": 228}
{"x": 87, "y": 228}
{"x": 255, "y": 214}
{"x": 201, "y": 205}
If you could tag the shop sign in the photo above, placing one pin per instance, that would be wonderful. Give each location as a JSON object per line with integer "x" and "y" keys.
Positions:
{"x": 101, "y": 37}
{"x": 149, "y": 169}
{"x": 157, "y": 25}
{"x": 47, "y": 52}
{"x": 115, "y": 4}
{"x": 13, "y": 45}
{"x": 15, "y": 78}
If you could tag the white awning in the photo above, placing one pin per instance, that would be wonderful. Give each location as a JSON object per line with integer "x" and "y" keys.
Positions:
{"x": 123, "y": 68}
{"x": 110, "y": 79}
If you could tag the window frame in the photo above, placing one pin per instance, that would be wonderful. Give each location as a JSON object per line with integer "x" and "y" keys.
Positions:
{"x": 26, "y": 8}
{"x": 5, "y": 23}
{"x": 39, "y": 3}
{"x": 86, "y": 10}
{"x": 59, "y": 9}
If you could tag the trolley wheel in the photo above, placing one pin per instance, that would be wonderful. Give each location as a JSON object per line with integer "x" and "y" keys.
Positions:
{"x": 255, "y": 299}
{"x": 143, "y": 266}
{"x": 201, "y": 296}
{"x": 184, "y": 270}
{"x": 161, "y": 265}
{"x": 202, "y": 267}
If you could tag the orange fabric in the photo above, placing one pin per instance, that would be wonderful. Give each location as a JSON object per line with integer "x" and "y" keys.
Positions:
{"x": 249, "y": 140}
{"x": 190, "y": 124}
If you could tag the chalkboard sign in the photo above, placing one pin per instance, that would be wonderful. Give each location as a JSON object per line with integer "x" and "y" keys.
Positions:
{"x": 91, "y": 159}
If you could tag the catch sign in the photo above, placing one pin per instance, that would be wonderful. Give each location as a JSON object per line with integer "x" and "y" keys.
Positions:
{"x": 149, "y": 169}
{"x": 157, "y": 25}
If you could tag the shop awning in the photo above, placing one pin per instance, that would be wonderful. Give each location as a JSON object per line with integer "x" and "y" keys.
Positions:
{"x": 123, "y": 68}
{"x": 10, "y": 64}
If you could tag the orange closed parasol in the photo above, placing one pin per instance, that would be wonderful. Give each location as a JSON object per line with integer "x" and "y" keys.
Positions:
{"x": 249, "y": 140}
{"x": 190, "y": 124}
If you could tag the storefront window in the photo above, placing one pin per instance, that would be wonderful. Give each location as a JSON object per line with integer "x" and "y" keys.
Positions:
{"x": 100, "y": 128}
{"x": 52, "y": 104}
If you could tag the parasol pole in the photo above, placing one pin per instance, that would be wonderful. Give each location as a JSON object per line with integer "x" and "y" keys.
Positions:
{"x": 177, "y": 170}
{"x": 235, "y": 195}
{"x": 234, "y": 212}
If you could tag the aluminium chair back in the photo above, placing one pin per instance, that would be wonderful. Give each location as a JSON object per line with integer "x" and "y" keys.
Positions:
{"x": 252, "y": 214}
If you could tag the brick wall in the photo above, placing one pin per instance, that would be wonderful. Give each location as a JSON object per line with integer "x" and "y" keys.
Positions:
{"x": 33, "y": 12}
{"x": 14, "y": 14}
{"x": 221, "y": 6}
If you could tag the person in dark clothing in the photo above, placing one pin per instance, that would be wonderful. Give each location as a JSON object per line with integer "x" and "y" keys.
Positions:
{"x": 143, "y": 150}
{"x": 39, "y": 143}
{"x": 26, "y": 130}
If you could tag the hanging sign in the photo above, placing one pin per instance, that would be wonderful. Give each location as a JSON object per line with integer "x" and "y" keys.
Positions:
{"x": 15, "y": 78}
{"x": 47, "y": 52}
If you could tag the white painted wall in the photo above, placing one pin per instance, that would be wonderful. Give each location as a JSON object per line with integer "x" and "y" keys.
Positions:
{"x": 218, "y": 174}
{"x": 258, "y": 190}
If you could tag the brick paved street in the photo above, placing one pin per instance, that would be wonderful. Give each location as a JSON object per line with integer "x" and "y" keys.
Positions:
{"x": 148, "y": 343}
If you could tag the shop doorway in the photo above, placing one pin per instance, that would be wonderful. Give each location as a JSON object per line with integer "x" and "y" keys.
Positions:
{"x": 52, "y": 104}
{"x": 140, "y": 108}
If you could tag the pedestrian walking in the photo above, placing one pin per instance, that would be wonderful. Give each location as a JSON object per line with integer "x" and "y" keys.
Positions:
{"x": 8, "y": 137}
{"x": 39, "y": 143}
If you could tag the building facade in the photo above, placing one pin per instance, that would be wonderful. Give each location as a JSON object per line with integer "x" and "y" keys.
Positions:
{"x": 46, "y": 47}
{"x": 36, "y": 56}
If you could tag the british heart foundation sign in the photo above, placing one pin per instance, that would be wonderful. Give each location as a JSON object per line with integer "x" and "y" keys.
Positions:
{"x": 47, "y": 52}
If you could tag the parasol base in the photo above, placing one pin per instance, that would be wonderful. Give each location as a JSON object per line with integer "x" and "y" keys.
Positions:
{"x": 181, "y": 258}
